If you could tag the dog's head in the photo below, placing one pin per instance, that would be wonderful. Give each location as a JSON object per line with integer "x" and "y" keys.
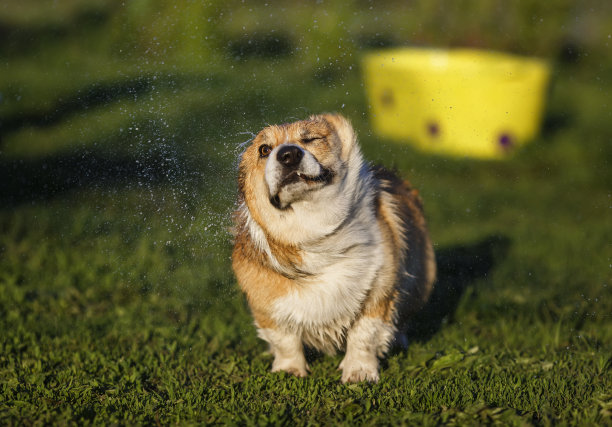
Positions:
{"x": 294, "y": 170}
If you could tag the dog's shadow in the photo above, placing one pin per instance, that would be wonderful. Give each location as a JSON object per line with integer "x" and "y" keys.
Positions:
{"x": 458, "y": 267}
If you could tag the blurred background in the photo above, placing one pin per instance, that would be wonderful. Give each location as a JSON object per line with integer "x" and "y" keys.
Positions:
{"x": 113, "y": 77}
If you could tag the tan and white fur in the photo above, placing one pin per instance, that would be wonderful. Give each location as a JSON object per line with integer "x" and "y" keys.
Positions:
{"x": 332, "y": 253}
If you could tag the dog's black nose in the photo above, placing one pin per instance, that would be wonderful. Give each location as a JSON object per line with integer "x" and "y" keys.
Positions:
{"x": 289, "y": 155}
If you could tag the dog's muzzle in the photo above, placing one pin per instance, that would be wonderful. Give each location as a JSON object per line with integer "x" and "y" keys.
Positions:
{"x": 291, "y": 164}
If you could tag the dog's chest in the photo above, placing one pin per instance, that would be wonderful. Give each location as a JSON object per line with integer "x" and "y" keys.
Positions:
{"x": 333, "y": 295}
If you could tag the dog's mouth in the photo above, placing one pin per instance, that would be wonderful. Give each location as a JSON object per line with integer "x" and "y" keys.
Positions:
{"x": 325, "y": 177}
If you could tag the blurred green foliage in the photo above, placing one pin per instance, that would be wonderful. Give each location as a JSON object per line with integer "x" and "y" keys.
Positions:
{"x": 59, "y": 53}
{"x": 120, "y": 126}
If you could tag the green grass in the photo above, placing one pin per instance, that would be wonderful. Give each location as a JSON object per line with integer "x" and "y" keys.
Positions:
{"x": 117, "y": 179}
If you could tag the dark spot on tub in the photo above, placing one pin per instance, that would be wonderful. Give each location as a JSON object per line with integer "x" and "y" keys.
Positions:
{"x": 506, "y": 141}
{"x": 433, "y": 129}
{"x": 387, "y": 99}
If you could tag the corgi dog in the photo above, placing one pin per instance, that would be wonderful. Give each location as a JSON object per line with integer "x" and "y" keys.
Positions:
{"x": 331, "y": 252}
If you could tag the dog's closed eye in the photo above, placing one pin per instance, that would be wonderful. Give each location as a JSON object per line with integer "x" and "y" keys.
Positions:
{"x": 308, "y": 139}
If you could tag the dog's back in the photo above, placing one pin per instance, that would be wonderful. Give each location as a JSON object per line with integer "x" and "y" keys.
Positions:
{"x": 399, "y": 207}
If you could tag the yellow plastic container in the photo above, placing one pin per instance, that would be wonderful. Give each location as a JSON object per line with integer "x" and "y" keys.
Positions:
{"x": 459, "y": 102}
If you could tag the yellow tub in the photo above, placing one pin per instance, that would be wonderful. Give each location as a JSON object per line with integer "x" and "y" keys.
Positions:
{"x": 459, "y": 102}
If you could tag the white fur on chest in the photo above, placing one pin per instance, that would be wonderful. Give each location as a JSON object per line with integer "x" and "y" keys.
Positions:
{"x": 342, "y": 271}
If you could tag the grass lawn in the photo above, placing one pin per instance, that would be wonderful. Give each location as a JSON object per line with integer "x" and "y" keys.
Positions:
{"x": 117, "y": 300}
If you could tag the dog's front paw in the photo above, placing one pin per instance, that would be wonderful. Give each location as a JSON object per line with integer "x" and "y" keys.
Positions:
{"x": 354, "y": 371}
{"x": 294, "y": 367}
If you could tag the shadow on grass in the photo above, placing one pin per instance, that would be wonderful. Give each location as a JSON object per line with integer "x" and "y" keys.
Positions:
{"x": 102, "y": 93}
{"x": 458, "y": 267}
{"x": 28, "y": 181}
{"x": 99, "y": 93}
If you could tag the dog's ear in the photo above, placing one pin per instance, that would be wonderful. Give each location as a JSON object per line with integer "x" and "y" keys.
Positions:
{"x": 344, "y": 130}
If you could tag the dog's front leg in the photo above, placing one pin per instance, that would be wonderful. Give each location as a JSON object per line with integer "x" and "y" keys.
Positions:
{"x": 288, "y": 351}
{"x": 367, "y": 338}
